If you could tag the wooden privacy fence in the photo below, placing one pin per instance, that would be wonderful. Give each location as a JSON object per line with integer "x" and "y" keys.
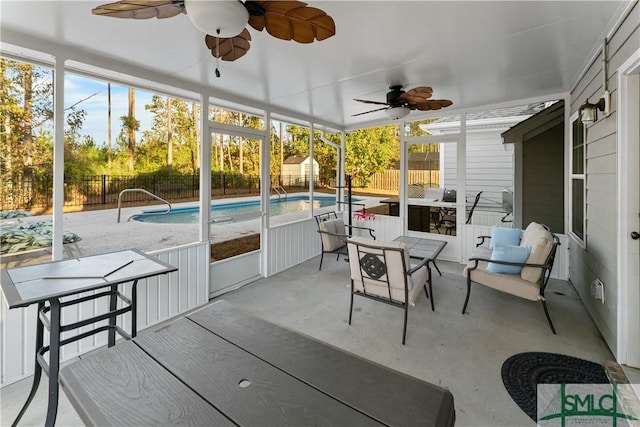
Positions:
{"x": 389, "y": 180}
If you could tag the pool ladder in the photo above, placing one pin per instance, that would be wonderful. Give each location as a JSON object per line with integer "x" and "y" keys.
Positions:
{"x": 280, "y": 191}
{"x": 141, "y": 190}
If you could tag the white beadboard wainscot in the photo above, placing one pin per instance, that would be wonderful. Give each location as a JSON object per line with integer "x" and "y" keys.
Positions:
{"x": 159, "y": 298}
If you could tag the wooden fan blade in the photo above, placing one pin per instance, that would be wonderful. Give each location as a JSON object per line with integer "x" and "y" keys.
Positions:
{"x": 367, "y": 112}
{"x": 366, "y": 101}
{"x": 292, "y": 20}
{"x": 432, "y": 104}
{"x": 140, "y": 9}
{"x": 416, "y": 95}
{"x": 230, "y": 48}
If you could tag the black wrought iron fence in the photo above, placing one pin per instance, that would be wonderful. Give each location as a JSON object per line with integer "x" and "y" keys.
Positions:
{"x": 37, "y": 191}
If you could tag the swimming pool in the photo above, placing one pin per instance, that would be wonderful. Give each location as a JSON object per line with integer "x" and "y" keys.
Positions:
{"x": 239, "y": 211}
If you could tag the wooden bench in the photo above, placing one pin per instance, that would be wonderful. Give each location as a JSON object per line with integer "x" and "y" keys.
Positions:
{"x": 221, "y": 365}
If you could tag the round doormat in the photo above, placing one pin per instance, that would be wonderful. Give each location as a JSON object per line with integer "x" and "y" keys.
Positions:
{"x": 521, "y": 373}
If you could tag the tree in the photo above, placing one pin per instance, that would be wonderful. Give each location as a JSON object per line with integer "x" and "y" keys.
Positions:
{"x": 172, "y": 141}
{"x": 369, "y": 151}
{"x": 131, "y": 125}
{"x": 26, "y": 111}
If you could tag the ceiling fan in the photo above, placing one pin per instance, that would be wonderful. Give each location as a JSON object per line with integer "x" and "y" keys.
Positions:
{"x": 400, "y": 103}
{"x": 224, "y": 21}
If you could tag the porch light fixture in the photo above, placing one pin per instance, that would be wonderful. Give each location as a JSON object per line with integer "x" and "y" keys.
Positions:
{"x": 589, "y": 112}
{"x": 218, "y": 18}
{"x": 395, "y": 113}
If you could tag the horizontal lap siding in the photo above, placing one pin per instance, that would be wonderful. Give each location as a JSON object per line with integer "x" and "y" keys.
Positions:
{"x": 599, "y": 259}
{"x": 159, "y": 298}
{"x": 489, "y": 168}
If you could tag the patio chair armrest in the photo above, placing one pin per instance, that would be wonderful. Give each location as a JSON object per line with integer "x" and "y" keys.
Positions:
{"x": 476, "y": 259}
{"x": 370, "y": 230}
{"x": 482, "y": 239}
{"x": 333, "y": 234}
{"x": 417, "y": 267}
{"x": 519, "y": 264}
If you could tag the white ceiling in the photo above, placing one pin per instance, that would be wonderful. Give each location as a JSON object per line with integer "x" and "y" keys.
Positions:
{"x": 473, "y": 53}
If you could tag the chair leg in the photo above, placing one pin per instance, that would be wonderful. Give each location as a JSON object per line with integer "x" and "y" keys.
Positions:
{"x": 436, "y": 266}
{"x": 321, "y": 257}
{"x": 466, "y": 300}
{"x": 404, "y": 329}
{"x": 431, "y": 289}
{"x": 546, "y": 312}
{"x": 351, "y": 305}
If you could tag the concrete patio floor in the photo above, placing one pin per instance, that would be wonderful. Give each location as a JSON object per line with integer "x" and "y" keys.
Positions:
{"x": 463, "y": 353}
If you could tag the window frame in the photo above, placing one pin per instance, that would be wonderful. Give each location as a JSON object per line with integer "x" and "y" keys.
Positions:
{"x": 575, "y": 122}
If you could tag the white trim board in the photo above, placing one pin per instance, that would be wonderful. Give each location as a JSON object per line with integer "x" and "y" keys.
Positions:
{"x": 628, "y": 348}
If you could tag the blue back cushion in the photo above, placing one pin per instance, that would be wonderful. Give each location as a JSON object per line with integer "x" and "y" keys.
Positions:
{"x": 508, "y": 253}
{"x": 501, "y": 236}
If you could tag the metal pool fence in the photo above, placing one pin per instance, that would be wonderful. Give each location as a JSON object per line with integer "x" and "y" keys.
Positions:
{"x": 93, "y": 190}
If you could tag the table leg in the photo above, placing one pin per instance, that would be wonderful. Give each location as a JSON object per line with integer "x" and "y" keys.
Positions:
{"x": 113, "y": 305}
{"x": 430, "y": 287}
{"x": 134, "y": 308}
{"x": 37, "y": 369}
{"x": 436, "y": 266}
{"x": 54, "y": 362}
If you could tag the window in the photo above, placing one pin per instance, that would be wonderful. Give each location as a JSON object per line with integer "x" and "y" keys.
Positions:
{"x": 577, "y": 176}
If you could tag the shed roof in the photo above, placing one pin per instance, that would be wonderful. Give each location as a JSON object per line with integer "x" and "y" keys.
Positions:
{"x": 295, "y": 160}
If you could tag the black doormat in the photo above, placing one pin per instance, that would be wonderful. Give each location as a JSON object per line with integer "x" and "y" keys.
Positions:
{"x": 521, "y": 373}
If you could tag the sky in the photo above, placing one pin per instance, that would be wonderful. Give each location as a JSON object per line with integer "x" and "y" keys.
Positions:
{"x": 95, "y": 124}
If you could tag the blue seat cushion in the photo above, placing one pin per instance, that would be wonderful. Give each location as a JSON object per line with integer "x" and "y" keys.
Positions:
{"x": 508, "y": 253}
{"x": 501, "y": 236}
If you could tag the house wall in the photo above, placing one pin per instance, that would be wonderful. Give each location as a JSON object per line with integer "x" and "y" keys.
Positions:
{"x": 489, "y": 167}
{"x": 599, "y": 258}
{"x": 542, "y": 179}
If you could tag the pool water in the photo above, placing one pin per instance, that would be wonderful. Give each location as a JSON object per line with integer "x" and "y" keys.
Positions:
{"x": 235, "y": 212}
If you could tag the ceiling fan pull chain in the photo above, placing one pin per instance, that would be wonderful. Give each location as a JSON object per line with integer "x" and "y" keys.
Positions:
{"x": 218, "y": 53}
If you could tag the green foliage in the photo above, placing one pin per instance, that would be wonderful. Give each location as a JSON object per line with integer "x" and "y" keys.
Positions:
{"x": 130, "y": 123}
{"x": 369, "y": 151}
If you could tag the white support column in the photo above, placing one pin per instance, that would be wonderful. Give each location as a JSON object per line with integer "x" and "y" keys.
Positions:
{"x": 58, "y": 158}
{"x": 461, "y": 184}
{"x": 205, "y": 168}
{"x": 404, "y": 166}
{"x": 311, "y": 169}
{"x": 265, "y": 193}
{"x": 341, "y": 170}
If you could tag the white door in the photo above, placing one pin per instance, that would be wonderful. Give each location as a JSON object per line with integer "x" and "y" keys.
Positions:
{"x": 237, "y": 211}
{"x": 629, "y": 202}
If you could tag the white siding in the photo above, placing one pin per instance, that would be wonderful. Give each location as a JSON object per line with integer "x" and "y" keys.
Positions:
{"x": 599, "y": 259}
{"x": 489, "y": 168}
{"x": 448, "y": 169}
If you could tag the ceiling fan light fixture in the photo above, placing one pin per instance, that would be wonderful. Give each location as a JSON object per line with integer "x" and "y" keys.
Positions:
{"x": 395, "y": 113}
{"x": 228, "y": 16}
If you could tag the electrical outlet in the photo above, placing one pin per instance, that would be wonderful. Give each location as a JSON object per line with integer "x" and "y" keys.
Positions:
{"x": 597, "y": 290}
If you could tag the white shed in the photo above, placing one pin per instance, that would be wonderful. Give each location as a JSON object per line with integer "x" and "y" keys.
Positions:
{"x": 296, "y": 171}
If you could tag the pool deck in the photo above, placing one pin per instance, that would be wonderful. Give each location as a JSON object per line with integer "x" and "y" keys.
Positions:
{"x": 101, "y": 232}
